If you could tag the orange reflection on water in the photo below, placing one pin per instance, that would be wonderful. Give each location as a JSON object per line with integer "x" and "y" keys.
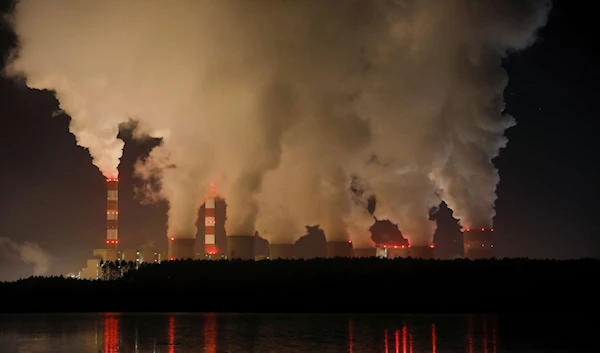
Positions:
{"x": 111, "y": 333}
{"x": 171, "y": 334}
{"x": 397, "y": 340}
{"x": 210, "y": 333}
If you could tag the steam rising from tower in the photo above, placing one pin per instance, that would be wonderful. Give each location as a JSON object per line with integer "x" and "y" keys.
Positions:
{"x": 407, "y": 95}
{"x": 112, "y": 213}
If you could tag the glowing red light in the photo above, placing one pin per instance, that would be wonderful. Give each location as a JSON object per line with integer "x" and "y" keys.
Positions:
{"x": 491, "y": 246}
{"x": 468, "y": 229}
{"x": 349, "y": 241}
{"x": 432, "y": 246}
{"x": 172, "y": 259}
{"x": 172, "y": 239}
{"x": 403, "y": 246}
{"x": 171, "y": 334}
{"x": 483, "y": 229}
{"x": 395, "y": 246}
{"x": 491, "y": 230}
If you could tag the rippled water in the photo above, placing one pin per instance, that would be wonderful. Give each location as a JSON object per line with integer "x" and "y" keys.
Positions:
{"x": 293, "y": 333}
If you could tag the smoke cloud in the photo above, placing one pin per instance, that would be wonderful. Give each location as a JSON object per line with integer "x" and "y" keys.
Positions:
{"x": 287, "y": 100}
{"x": 27, "y": 253}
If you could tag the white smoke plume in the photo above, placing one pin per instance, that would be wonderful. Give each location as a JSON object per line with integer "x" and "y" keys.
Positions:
{"x": 305, "y": 90}
{"x": 28, "y": 253}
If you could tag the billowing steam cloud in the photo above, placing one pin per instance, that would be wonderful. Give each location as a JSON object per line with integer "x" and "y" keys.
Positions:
{"x": 28, "y": 253}
{"x": 288, "y": 100}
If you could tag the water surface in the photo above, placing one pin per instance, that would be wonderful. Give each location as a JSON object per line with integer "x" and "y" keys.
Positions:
{"x": 290, "y": 333}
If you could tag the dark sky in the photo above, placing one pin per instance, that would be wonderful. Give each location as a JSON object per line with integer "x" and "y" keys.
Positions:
{"x": 54, "y": 196}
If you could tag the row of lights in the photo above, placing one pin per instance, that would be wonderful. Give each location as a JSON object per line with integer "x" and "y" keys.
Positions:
{"x": 111, "y": 179}
{"x": 112, "y": 212}
{"x": 112, "y": 242}
{"x": 482, "y": 229}
{"x": 401, "y": 246}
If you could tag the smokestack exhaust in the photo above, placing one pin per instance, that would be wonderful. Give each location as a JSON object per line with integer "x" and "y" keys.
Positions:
{"x": 240, "y": 247}
{"x": 421, "y": 252}
{"x": 281, "y": 251}
{"x": 182, "y": 249}
{"x": 339, "y": 249}
{"x": 478, "y": 243}
{"x": 112, "y": 213}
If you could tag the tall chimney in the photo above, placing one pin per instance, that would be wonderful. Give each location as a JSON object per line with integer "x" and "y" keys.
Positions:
{"x": 210, "y": 245}
{"x": 112, "y": 213}
{"x": 478, "y": 243}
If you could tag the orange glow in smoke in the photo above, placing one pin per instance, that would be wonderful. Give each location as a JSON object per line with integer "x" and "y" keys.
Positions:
{"x": 111, "y": 334}
{"x": 171, "y": 334}
{"x": 210, "y": 333}
{"x": 350, "y": 337}
{"x": 433, "y": 339}
{"x": 385, "y": 341}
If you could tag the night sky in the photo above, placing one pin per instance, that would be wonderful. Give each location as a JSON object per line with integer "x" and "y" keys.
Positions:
{"x": 54, "y": 196}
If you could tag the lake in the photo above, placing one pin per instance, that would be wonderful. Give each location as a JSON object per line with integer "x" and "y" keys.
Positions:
{"x": 292, "y": 333}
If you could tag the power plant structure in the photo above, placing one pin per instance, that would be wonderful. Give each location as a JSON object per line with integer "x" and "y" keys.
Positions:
{"x": 421, "y": 252}
{"x": 281, "y": 251}
{"x": 210, "y": 240}
{"x": 478, "y": 243}
{"x": 339, "y": 249}
{"x": 240, "y": 247}
{"x": 365, "y": 252}
{"x": 182, "y": 248}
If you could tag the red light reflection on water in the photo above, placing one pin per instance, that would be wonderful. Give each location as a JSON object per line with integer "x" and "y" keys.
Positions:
{"x": 404, "y": 333}
{"x": 485, "y": 337}
{"x": 350, "y": 337}
{"x": 210, "y": 333}
{"x": 470, "y": 334}
{"x": 433, "y": 339}
{"x": 111, "y": 334}
{"x": 171, "y": 334}
{"x": 494, "y": 335}
{"x": 385, "y": 341}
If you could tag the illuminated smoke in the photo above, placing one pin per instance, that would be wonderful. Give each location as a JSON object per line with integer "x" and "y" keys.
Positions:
{"x": 28, "y": 253}
{"x": 233, "y": 86}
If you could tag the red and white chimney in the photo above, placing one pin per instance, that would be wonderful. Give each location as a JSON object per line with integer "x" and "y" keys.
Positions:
{"x": 112, "y": 213}
{"x": 210, "y": 245}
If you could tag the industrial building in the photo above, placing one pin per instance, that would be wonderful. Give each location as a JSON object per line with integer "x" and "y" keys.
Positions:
{"x": 478, "y": 243}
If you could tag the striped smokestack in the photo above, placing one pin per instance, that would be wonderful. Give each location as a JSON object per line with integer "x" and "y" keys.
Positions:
{"x": 210, "y": 245}
{"x": 112, "y": 213}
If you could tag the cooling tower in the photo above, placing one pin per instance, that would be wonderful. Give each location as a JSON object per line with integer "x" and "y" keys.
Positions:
{"x": 478, "y": 243}
{"x": 182, "y": 249}
{"x": 365, "y": 252}
{"x": 281, "y": 251}
{"x": 421, "y": 252}
{"x": 112, "y": 213}
{"x": 240, "y": 247}
{"x": 339, "y": 249}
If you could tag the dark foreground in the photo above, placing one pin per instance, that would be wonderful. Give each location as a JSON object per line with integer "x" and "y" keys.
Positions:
{"x": 323, "y": 285}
